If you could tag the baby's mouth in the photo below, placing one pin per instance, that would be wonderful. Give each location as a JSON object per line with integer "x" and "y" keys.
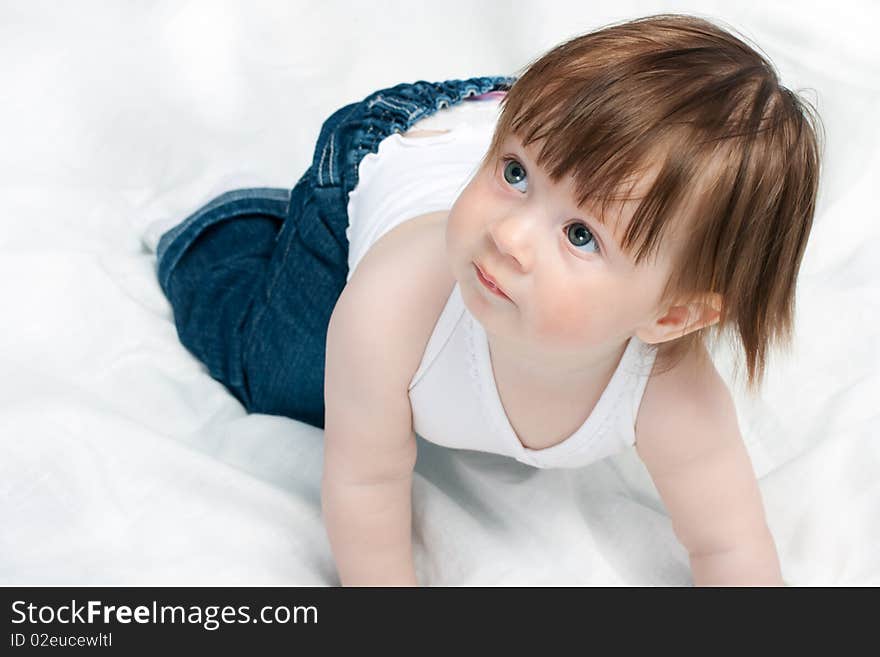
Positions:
{"x": 489, "y": 283}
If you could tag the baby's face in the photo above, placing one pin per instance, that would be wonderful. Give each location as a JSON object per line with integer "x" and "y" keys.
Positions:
{"x": 568, "y": 284}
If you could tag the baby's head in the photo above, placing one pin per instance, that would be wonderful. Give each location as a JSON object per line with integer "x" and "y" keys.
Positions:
{"x": 652, "y": 178}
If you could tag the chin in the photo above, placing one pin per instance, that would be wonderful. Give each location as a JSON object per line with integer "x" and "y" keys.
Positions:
{"x": 483, "y": 310}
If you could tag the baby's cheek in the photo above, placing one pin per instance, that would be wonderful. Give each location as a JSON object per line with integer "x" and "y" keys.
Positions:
{"x": 459, "y": 224}
{"x": 455, "y": 236}
{"x": 566, "y": 324}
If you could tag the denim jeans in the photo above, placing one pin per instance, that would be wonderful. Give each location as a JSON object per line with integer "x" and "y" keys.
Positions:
{"x": 253, "y": 276}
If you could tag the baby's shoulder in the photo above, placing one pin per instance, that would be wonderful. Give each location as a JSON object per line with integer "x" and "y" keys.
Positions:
{"x": 400, "y": 287}
{"x": 685, "y": 413}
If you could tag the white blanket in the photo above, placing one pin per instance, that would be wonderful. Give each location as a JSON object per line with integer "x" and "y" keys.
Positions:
{"x": 123, "y": 462}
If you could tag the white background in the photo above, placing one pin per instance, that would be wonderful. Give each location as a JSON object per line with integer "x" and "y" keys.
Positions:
{"x": 123, "y": 462}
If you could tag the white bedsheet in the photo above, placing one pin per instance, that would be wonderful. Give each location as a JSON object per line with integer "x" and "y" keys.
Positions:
{"x": 123, "y": 462}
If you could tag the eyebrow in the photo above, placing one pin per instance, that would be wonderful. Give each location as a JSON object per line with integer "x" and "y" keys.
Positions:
{"x": 602, "y": 228}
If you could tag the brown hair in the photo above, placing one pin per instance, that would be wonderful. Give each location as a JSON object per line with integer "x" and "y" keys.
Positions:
{"x": 737, "y": 156}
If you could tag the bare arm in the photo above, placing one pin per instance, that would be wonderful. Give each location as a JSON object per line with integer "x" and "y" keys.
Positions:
{"x": 716, "y": 509}
{"x": 370, "y": 449}
{"x": 375, "y": 341}
{"x": 692, "y": 447}
{"x": 746, "y": 564}
{"x": 369, "y": 531}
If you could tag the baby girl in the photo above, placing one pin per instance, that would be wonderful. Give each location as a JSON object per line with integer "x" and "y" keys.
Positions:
{"x": 530, "y": 266}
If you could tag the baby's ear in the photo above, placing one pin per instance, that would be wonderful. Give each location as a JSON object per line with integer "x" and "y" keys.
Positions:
{"x": 681, "y": 319}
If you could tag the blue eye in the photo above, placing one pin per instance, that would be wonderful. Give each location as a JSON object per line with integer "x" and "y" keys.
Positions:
{"x": 576, "y": 232}
{"x": 579, "y": 235}
{"x": 517, "y": 173}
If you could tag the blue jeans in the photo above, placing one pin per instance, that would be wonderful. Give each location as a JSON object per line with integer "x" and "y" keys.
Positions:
{"x": 254, "y": 275}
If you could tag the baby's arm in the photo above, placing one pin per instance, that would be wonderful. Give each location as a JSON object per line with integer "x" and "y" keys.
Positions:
{"x": 370, "y": 448}
{"x": 375, "y": 342}
{"x": 690, "y": 442}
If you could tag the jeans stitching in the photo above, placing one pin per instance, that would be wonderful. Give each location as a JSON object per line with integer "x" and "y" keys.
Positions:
{"x": 330, "y": 163}
{"x": 399, "y": 106}
{"x": 321, "y": 165}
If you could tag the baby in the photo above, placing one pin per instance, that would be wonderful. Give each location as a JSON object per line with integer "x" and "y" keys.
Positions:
{"x": 541, "y": 286}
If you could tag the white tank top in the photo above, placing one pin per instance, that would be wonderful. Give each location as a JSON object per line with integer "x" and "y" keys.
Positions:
{"x": 454, "y": 396}
{"x": 417, "y": 175}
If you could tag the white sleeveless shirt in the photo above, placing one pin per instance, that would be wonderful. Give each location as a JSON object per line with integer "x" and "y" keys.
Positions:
{"x": 454, "y": 396}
